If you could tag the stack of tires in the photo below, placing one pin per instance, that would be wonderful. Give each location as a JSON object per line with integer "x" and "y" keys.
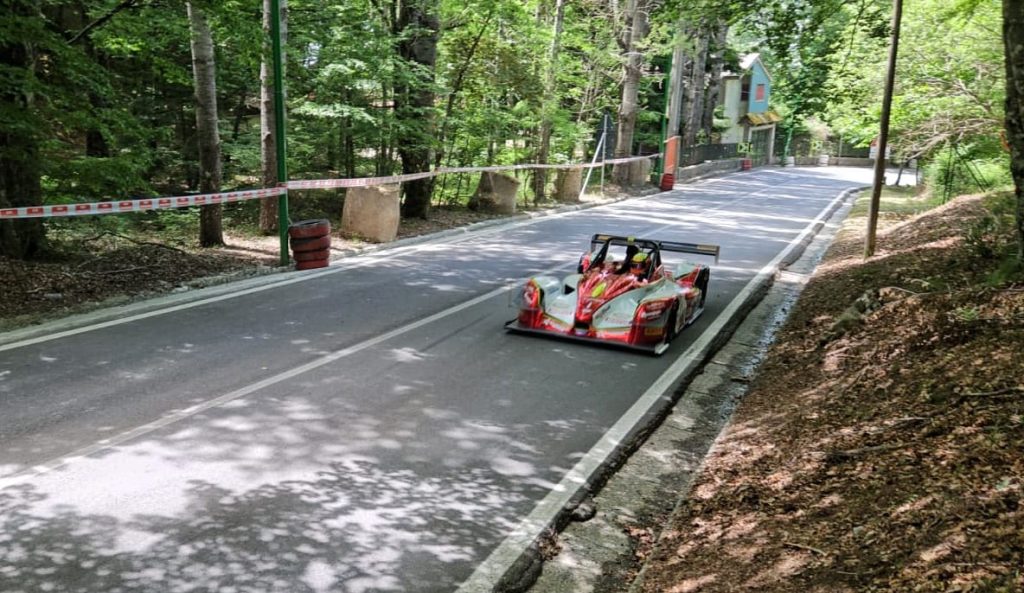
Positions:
{"x": 311, "y": 243}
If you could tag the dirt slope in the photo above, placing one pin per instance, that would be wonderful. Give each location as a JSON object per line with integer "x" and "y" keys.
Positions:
{"x": 881, "y": 447}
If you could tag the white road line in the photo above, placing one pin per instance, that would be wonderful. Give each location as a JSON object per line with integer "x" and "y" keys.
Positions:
{"x": 355, "y": 263}
{"x": 502, "y": 558}
{"x": 179, "y": 415}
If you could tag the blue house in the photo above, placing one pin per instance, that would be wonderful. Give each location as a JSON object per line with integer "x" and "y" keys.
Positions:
{"x": 745, "y": 100}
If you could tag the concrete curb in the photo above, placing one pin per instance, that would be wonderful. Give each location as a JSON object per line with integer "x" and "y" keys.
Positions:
{"x": 796, "y": 251}
{"x": 523, "y": 570}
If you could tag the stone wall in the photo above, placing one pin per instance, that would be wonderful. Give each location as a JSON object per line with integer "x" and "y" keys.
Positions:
{"x": 848, "y": 161}
{"x": 706, "y": 168}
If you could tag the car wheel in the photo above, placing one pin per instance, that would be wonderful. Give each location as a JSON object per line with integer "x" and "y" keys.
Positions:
{"x": 705, "y": 277}
{"x": 670, "y": 326}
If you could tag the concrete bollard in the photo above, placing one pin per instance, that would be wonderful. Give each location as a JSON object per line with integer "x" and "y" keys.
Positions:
{"x": 568, "y": 184}
{"x": 640, "y": 172}
{"x": 495, "y": 194}
{"x": 372, "y": 213}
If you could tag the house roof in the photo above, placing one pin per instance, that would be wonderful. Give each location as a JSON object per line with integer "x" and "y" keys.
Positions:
{"x": 761, "y": 119}
{"x": 746, "y": 63}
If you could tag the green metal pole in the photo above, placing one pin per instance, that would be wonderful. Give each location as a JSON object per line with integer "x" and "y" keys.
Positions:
{"x": 279, "y": 127}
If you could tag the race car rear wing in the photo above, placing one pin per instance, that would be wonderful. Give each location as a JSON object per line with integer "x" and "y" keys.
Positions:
{"x": 600, "y": 239}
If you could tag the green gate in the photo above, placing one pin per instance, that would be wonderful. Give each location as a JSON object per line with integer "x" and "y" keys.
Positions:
{"x": 759, "y": 146}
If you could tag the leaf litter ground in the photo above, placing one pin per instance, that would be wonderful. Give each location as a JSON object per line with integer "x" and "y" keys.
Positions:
{"x": 881, "y": 446}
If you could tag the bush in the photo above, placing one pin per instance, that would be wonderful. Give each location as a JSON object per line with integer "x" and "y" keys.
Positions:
{"x": 951, "y": 174}
{"x": 993, "y": 237}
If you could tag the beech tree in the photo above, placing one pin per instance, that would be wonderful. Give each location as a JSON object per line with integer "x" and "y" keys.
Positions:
{"x": 19, "y": 130}
{"x": 418, "y": 27}
{"x": 633, "y": 36}
{"x": 208, "y": 136}
{"x": 1013, "y": 41}
{"x": 550, "y": 101}
{"x": 268, "y": 134}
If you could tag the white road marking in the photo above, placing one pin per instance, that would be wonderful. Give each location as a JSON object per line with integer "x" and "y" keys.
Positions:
{"x": 179, "y": 415}
{"x": 355, "y": 263}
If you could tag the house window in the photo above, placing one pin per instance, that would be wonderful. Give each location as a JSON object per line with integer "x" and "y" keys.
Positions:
{"x": 745, "y": 91}
{"x": 759, "y": 93}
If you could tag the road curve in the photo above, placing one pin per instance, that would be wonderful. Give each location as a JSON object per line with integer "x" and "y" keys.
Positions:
{"x": 367, "y": 429}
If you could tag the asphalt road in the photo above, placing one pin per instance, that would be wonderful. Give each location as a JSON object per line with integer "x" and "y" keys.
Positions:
{"x": 368, "y": 429}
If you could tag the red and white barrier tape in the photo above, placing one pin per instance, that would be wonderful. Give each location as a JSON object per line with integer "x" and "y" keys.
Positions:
{"x": 142, "y": 205}
{"x": 373, "y": 181}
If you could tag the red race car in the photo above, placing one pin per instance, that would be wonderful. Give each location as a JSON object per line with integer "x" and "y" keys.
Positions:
{"x": 621, "y": 294}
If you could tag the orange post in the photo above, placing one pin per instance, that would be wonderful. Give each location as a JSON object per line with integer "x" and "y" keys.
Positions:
{"x": 668, "y": 170}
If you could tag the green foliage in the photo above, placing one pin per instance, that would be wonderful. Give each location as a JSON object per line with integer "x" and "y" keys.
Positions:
{"x": 982, "y": 237}
{"x": 966, "y": 314}
{"x": 965, "y": 169}
{"x": 1009, "y": 272}
{"x": 992, "y": 237}
{"x": 945, "y": 91}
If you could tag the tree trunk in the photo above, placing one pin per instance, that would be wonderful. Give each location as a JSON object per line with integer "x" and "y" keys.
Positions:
{"x": 674, "y": 107}
{"x": 204, "y": 73}
{"x": 695, "y": 90}
{"x": 268, "y": 139}
{"x": 550, "y": 104}
{"x": 1013, "y": 40}
{"x": 19, "y": 157}
{"x": 636, "y": 13}
{"x": 715, "y": 55}
{"x": 414, "y": 101}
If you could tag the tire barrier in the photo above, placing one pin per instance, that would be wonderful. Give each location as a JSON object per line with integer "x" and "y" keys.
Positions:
{"x": 311, "y": 243}
{"x": 314, "y": 244}
{"x": 320, "y": 254}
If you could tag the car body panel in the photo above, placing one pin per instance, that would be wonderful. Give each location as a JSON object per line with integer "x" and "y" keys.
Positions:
{"x": 622, "y": 303}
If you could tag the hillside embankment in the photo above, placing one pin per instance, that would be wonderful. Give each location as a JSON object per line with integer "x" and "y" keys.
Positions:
{"x": 881, "y": 445}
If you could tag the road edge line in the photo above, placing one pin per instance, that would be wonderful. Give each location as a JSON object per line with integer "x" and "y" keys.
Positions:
{"x": 168, "y": 303}
{"x": 514, "y": 565}
{"x": 234, "y": 287}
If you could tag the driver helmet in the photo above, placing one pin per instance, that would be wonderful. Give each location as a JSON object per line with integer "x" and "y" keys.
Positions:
{"x": 640, "y": 265}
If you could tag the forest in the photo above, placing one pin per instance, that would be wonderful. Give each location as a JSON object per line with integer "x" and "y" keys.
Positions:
{"x": 180, "y": 413}
{"x": 127, "y": 99}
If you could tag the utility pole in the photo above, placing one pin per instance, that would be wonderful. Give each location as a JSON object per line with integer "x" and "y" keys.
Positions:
{"x": 664, "y": 126}
{"x": 279, "y": 128}
{"x": 883, "y": 135}
{"x": 676, "y": 81}
{"x": 670, "y": 121}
